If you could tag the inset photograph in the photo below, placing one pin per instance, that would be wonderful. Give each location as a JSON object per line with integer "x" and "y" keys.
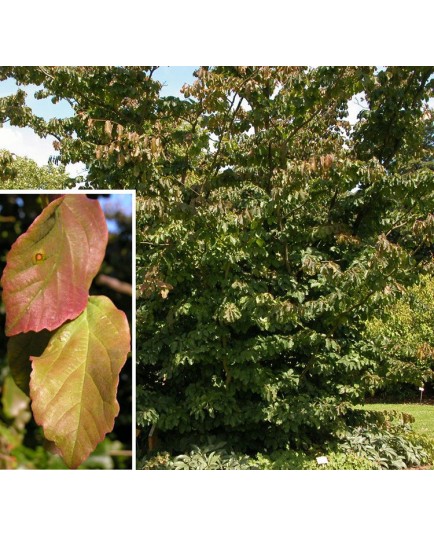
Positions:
{"x": 65, "y": 338}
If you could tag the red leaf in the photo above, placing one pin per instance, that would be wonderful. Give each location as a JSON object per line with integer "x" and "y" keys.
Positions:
{"x": 50, "y": 268}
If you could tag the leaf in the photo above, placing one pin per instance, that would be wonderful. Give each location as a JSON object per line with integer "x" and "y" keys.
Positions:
{"x": 19, "y": 349}
{"x": 15, "y": 403}
{"x": 108, "y": 127}
{"x": 73, "y": 384}
{"x": 230, "y": 313}
{"x": 49, "y": 268}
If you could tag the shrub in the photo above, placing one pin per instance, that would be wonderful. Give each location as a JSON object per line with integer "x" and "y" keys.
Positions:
{"x": 209, "y": 457}
{"x": 425, "y": 442}
{"x": 390, "y": 449}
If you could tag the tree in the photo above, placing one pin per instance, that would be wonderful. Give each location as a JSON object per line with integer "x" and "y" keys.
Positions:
{"x": 21, "y": 173}
{"x": 403, "y": 337}
{"x": 269, "y": 230}
{"x": 262, "y": 266}
{"x": 116, "y": 117}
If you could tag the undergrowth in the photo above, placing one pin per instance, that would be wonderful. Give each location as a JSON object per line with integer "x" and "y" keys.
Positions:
{"x": 387, "y": 444}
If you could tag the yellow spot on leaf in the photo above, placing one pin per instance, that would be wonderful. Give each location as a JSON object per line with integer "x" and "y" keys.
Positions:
{"x": 39, "y": 257}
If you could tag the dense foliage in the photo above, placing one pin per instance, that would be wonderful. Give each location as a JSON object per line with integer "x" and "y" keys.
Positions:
{"x": 269, "y": 230}
{"x": 282, "y": 239}
{"x": 390, "y": 446}
{"x": 24, "y": 173}
{"x": 403, "y": 337}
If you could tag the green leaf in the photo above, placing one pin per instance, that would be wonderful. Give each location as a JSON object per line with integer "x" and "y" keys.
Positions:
{"x": 73, "y": 384}
{"x": 15, "y": 403}
{"x": 50, "y": 267}
{"x": 230, "y": 313}
{"x": 19, "y": 349}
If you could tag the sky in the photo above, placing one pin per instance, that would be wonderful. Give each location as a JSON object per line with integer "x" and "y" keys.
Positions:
{"x": 110, "y": 203}
{"x": 122, "y": 202}
{"x": 24, "y": 142}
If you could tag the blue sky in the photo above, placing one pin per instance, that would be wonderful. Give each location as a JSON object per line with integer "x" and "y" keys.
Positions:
{"x": 44, "y": 107}
{"x": 122, "y": 202}
{"x": 172, "y": 78}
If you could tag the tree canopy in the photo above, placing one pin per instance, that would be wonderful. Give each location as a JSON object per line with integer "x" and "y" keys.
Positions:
{"x": 17, "y": 172}
{"x": 269, "y": 230}
{"x": 402, "y": 336}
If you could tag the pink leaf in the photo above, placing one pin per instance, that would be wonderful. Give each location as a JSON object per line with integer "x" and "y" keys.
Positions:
{"x": 50, "y": 268}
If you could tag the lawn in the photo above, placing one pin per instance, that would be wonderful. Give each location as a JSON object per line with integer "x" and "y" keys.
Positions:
{"x": 423, "y": 414}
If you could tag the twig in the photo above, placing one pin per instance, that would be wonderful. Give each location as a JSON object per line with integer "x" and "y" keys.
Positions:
{"x": 114, "y": 284}
{"x": 121, "y": 453}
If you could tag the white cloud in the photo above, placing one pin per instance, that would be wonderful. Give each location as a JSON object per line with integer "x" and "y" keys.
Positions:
{"x": 24, "y": 142}
{"x": 356, "y": 105}
{"x": 76, "y": 169}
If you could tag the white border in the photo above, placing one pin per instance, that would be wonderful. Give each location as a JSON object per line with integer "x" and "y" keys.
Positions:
{"x": 194, "y": 32}
{"x": 133, "y": 297}
{"x": 208, "y": 503}
{"x": 133, "y": 326}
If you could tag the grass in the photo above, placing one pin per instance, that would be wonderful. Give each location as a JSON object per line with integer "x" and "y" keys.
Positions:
{"x": 423, "y": 414}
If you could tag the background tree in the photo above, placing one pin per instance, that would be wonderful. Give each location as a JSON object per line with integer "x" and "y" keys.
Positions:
{"x": 403, "y": 339}
{"x": 17, "y": 172}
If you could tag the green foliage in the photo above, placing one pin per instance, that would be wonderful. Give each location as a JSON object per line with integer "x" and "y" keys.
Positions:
{"x": 391, "y": 128}
{"x": 424, "y": 441}
{"x": 386, "y": 442}
{"x": 209, "y": 457}
{"x": 116, "y": 126}
{"x": 284, "y": 460}
{"x": 18, "y": 173}
{"x": 339, "y": 461}
{"x": 404, "y": 336}
{"x": 390, "y": 449}
{"x": 216, "y": 458}
{"x": 262, "y": 263}
{"x": 269, "y": 230}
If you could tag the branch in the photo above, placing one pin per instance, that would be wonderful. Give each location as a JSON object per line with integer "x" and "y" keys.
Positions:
{"x": 114, "y": 284}
{"x": 45, "y": 72}
{"x": 120, "y": 453}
